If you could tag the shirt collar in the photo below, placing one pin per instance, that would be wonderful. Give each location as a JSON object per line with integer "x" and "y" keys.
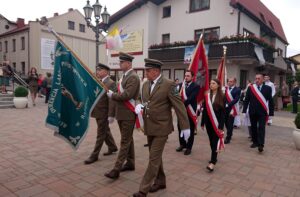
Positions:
{"x": 104, "y": 78}
{"x": 126, "y": 73}
{"x": 155, "y": 80}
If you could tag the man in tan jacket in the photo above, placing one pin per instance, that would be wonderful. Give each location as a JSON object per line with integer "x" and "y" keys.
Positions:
{"x": 158, "y": 97}
{"x": 104, "y": 112}
{"x": 128, "y": 92}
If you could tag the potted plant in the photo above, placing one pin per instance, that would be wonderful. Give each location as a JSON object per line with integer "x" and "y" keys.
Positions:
{"x": 296, "y": 132}
{"x": 20, "y": 97}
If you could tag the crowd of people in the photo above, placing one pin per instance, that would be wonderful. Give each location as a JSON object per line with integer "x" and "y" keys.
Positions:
{"x": 153, "y": 104}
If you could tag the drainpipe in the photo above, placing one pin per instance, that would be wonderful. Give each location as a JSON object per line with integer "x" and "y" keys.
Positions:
{"x": 239, "y": 23}
{"x": 28, "y": 49}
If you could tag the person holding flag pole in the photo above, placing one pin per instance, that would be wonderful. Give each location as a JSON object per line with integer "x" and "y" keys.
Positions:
{"x": 74, "y": 93}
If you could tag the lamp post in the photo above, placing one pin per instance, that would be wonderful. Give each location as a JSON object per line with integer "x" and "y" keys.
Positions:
{"x": 97, "y": 28}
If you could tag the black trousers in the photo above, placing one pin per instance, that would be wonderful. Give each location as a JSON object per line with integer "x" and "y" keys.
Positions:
{"x": 182, "y": 142}
{"x": 295, "y": 105}
{"x": 213, "y": 140}
{"x": 229, "y": 120}
{"x": 258, "y": 128}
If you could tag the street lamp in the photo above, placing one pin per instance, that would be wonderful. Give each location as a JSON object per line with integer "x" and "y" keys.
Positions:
{"x": 98, "y": 27}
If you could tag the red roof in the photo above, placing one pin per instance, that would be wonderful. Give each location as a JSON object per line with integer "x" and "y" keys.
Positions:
{"x": 257, "y": 8}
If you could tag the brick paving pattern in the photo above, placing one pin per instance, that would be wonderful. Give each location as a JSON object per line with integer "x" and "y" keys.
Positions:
{"x": 35, "y": 163}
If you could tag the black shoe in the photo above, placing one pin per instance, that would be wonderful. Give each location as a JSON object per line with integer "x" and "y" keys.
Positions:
{"x": 156, "y": 187}
{"x": 269, "y": 124}
{"x": 139, "y": 194}
{"x": 187, "y": 151}
{"x": 260, "y": 148}
{"x": 146, "y": 145}
{"x": 90, "y": 160}
{"x": 227, "y": 141}
{"x": 253, "y": 145}
{"x": 210, "y": 167}
{"x": 127, "y": 168}
{"x": 110, "y": 152}
{"x": 179, "y": 149}
{"x": 113, "y": 174}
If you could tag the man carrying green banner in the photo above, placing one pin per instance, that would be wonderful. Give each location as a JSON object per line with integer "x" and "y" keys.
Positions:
{"x": 74, "y": 93}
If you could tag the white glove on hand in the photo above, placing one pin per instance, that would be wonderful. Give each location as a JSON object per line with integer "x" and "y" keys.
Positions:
{"x": 186, "y": 133}
{"x": 111, "y": 119}
{"x": 138, "y": 108}
{"x": 109, "y": 93}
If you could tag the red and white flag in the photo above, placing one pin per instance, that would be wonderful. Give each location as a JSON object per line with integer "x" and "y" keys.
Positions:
{"x": 199, "y": 65}
{"x": 222, "y": 72}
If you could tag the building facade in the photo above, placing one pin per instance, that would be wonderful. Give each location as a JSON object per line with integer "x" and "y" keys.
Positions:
{"x": 253, "y": 36}
{"x": 32, "y": 45}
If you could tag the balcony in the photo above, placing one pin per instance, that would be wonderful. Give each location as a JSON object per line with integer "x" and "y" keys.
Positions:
{"x": 235, "y": 50}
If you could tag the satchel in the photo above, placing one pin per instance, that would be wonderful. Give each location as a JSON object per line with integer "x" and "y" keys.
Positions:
{"x": 286, "y": 99}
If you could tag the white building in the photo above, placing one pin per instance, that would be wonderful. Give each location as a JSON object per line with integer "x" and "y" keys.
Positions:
{"x": 158, "y": 24}
{"x": 32, "y": 45}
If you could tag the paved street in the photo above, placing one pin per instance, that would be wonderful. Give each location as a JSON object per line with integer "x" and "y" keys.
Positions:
{"x": 35, "y": 163}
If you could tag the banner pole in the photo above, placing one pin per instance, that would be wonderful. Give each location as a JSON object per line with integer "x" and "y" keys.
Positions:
{"x": 44, "y": 21}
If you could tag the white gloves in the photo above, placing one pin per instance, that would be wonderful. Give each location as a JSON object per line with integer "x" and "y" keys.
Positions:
{"x": 109, "y": 93}
{"x": 111, "y": 120}
{"x": 138, "y": 108}
{"x": 186, "y": 133}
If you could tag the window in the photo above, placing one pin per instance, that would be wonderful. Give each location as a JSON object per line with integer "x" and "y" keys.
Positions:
{"x": 23, "y": 67}
{"x": 14, "y": 45}
{"x": 6, "y": 46}
{"x": 246, "y": 33}
{"x": 179, "y": 74}
{"x": 166, "y": 38}
{"x": 22, "y": 43}
{"x": 167, "y": 12}
{"x": 198, "y": 5}
{"x": 0, "y": 46}
{"x": 271, "y": 25}
{"x": 71, "y": 25}
{"x": 212, "y": 73}
{"x": 209, "y": 33}
{"x": 243, "y": 78}
{"x": 167, "y": 73}
{"x": 81, "y": 28}
{"x": 280, "y": 52}
{"x": 14, "y": 66}
{"x": 262, "y": 17}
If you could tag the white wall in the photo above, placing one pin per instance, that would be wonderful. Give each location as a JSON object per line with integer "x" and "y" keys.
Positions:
{"x": 249, "y": 24}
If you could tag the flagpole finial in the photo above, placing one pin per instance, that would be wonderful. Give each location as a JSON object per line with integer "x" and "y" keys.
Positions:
{"x": 224, "y": 50}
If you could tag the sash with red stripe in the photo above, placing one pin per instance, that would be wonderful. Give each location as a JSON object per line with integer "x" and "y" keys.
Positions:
{"x": 229, "y": 98}
{"x": 260, "y": 98}
{"x": 130, "y": 104}
{"x": 191, "y": 112}
{"x": 214, "y": 122}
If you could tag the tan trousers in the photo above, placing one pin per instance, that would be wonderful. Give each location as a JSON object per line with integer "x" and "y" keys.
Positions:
{"x": 127, "y": 146}
{"x": 155, "y": 171}
{"x": 103, "y": 135}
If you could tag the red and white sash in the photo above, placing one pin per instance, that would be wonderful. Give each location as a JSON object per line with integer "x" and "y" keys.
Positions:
{"x": 234, "y": 111}
{"x": 214, "y": 122}
{"x": 130, "y": 104}
{"x": 260, "y": 98}
{"x": 189, "y": 108}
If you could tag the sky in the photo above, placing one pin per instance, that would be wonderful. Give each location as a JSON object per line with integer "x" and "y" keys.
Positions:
{"x": 287, "y": 11}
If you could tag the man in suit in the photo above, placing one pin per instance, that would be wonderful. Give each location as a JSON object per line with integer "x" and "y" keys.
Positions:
{"x": 189, "y": 97}
{"x": 295, "y": 97}
{"x": 128, "y": 92}
{"x": 272, "y": 85}
{"x": 104, "y": 112}
{"x": 158, "y": 96}
{"x": 232, "y": 94}
{"x": 259, "y": 99}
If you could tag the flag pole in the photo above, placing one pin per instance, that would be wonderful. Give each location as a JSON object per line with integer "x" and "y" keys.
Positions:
{"x": 224, "y": 66}
{"x": 44, "y": 21}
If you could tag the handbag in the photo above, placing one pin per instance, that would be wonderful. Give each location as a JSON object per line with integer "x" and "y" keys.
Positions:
{"x": 286, "y": 99}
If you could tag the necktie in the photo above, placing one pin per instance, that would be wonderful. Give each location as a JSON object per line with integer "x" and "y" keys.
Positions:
{"x": 230, "y": 88}
{"x": 186, "y": 85}
{"x": 151, "y": 83}
{"x": 258, "y": 87}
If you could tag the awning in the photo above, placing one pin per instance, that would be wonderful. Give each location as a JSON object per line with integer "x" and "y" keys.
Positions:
{"x": 259, "y": 53}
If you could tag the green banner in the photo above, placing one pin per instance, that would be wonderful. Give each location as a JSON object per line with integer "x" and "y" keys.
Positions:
{"x": 73, "y": 95}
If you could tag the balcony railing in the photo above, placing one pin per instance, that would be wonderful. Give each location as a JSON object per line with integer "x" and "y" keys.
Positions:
{"x": 234, "y": 50}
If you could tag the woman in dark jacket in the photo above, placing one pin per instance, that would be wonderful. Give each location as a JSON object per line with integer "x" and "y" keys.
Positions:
{"x": 33, "y": 78}
{"x": 218, "y": 104}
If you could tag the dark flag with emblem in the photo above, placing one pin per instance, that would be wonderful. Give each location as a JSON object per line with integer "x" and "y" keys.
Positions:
{"x": 199, "y": 66}
{"x": 74, "y": 93}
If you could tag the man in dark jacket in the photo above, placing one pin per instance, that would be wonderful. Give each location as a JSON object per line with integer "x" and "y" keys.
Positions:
{"x": 259, "y": 99}
{"x": 294, "y": 94}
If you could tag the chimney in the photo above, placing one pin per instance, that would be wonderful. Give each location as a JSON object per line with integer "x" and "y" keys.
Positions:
{"x": 20, "y": 22}
{"x": 70, "y": 9}
{"x": 55, "y": 14}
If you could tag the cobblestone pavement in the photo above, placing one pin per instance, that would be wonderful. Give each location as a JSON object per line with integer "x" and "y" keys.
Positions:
{"x": 35, "y": 163}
